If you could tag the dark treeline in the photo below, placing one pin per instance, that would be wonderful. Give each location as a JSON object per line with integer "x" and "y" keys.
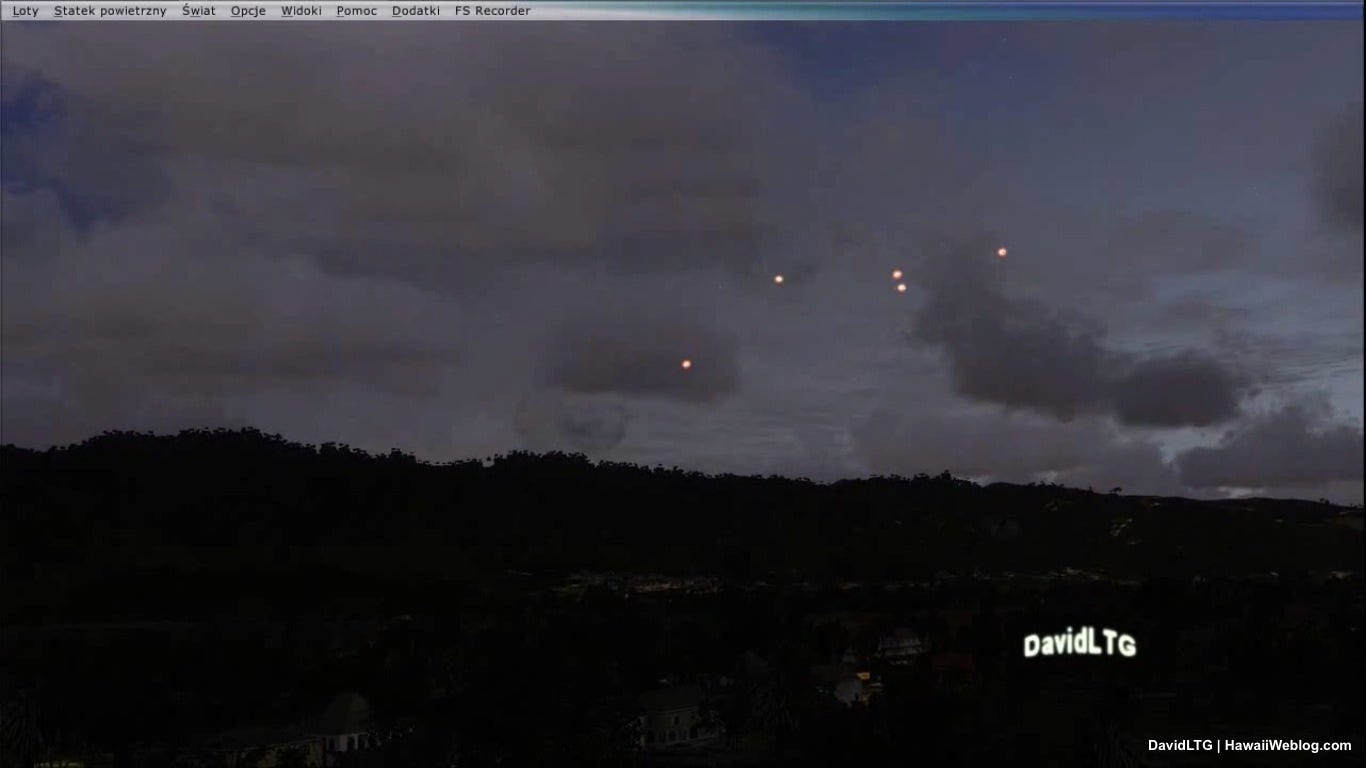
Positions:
{"x": 536, "y": 679}
{"x": 122, "y": 510}
{"x": 165, "y": 593}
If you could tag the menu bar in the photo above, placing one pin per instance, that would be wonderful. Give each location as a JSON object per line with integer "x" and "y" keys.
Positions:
{"x": 687, "y": 10}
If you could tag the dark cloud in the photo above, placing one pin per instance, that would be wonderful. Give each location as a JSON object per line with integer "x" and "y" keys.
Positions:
{"x": 1288, "y": 357}
{"x": 640, "y": 351}
{"x": 648, "y": 151}
{"x": 547, "y": 420}
{"x": 1338, "y": 173}
{"x": 1185, "y": 389}
{"x": 1017, "y": 353}
{"x": 53, "y": 142}
{"x": 1029, "y": 354}
{"x": 1295, "y": 445}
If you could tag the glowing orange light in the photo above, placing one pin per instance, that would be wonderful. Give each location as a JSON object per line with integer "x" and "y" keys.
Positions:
{"x": 1001, "y": 252}
{"x": 686, "y": 364}
{"x": 778, "y": 279}
{"x": 901, "y": 288}
{"x": 896, "y": 274}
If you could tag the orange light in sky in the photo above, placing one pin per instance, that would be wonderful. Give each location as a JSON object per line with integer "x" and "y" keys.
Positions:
{"x": 778, "y": 279}
{"x": 901, "y": 288}
{"x": 896, "y": 274}
{"x": 686, "y": 364}
{"x": 1001, "y": 252}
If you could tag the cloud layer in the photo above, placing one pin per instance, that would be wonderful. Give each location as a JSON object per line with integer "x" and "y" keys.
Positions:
{"x": 642, "y": 351}
{"x": 1028, "y": 354}
{"x": 1296, "y": 446}
{"x": 478, "y": 239}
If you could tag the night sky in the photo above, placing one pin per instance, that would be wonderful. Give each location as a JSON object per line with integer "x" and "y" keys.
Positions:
{"x": 463, "y": 240}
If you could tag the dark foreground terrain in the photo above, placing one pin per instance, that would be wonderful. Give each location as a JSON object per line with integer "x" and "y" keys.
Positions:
{"x": 229, "y": 598}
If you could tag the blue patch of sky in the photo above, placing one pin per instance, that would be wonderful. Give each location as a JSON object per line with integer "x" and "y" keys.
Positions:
{"x": 46, "y": 146}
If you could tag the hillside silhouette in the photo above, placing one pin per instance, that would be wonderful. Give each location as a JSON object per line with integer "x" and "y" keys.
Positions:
{"x": 139, "y": 522}
{"x": 199, "y": 599}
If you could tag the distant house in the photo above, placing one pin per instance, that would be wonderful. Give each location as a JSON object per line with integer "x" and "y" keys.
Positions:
{"x": 847, "y": 684}
{"x": 673, "y": 718}
{"x": 325, "y": 740}
{"x": 901, "y": 646}
{"x": 264, "y": 748}
{"x": 343, "y": 728}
